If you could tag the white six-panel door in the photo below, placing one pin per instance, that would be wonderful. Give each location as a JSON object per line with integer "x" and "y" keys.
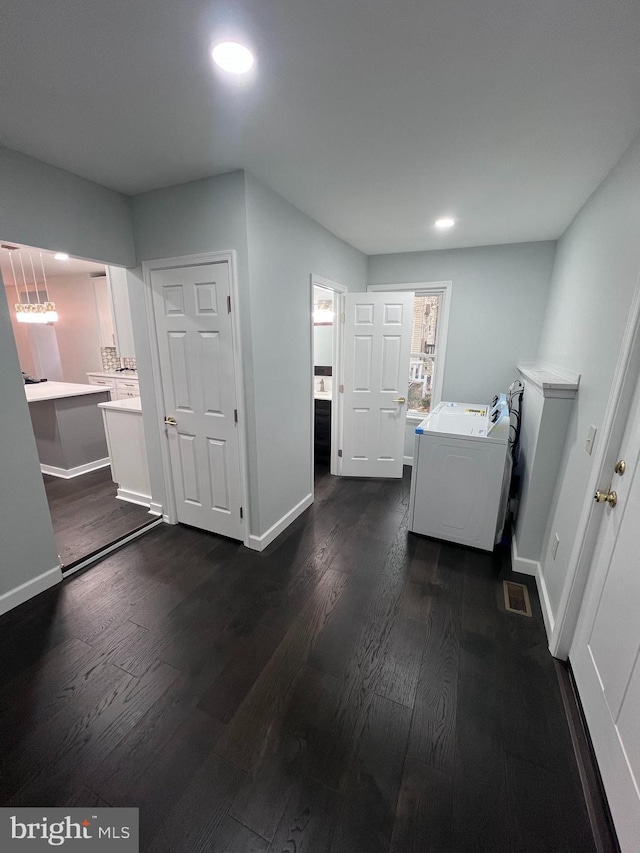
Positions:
{"x": 605, "y": 654}
{"x": 191, "y": 305}
{"x": 377, "y": 344}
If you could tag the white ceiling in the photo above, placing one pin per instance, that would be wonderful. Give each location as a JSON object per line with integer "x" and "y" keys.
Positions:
{"x": 372, "y": 116}
{"x": 52, "y": 268}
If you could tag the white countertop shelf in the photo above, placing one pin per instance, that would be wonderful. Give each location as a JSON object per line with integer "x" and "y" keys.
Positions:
{"x": 322, "y": 395}
{"x": 59, "y": 390}
{"x": 129, "y": 404}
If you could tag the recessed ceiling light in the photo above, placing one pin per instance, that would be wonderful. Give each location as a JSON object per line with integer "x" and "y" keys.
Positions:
{"x": 61, "y": 256}
{"x": 444, "y": 223}
{"x": 232, "y": 57}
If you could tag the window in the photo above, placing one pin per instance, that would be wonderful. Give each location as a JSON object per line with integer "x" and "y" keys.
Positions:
{"x": 424, "y": 339}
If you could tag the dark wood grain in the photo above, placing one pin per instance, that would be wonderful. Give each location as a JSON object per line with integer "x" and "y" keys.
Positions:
{"x": 401, "y": 666}
{"x": 371, "y": 790}
{"x": 87, "y": 516}
{"x": 423, "y": 813}
{"x": 309, "y": 820}
{"x": 352, "y": 687}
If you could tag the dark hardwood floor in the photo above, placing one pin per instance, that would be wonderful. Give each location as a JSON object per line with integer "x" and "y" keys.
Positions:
{"x": 86, "y": 514}
{"x": 352, "y": 689}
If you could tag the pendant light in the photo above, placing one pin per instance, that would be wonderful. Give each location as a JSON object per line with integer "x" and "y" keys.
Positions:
{"x": 28, "y": 311}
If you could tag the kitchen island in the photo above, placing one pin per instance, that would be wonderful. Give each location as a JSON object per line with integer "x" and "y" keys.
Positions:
{"x": 68, "y": 427}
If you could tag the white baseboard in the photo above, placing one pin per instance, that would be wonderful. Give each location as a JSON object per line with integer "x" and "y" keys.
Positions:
{"x": 68, "y": 473}
{"x": 545, "y": 604}
{"x": 259, "y": 543}
{"x": 533, "y": 568}
{"x": 522, "y": 564}
{"x": 134, "y": 498}
{"x": 22, "y": 593}
{"x": 155, "y": 508}
{"x": 408, "y": 460}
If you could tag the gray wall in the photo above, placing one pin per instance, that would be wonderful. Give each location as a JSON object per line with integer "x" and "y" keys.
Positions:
{"x": 497, "y": 307}
{"x": 208, "y": 215}
{"x": 285, "y": 248}
{"x": 277, "y": 249}
{"x": 52, "y": 209}
{"x": 27, "y": 546}
{"x": 594, "y": 278}
{"x": 45, "y": 207}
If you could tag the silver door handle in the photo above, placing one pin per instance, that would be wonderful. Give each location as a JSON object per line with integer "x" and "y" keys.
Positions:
{"x": 169, "y": 421}
{"x": 399, "y": 400}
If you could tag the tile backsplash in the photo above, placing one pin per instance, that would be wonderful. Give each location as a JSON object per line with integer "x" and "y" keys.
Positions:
{"x": 112, "y": 361}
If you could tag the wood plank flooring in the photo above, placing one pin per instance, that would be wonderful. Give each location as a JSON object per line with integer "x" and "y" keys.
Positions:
{"x": 86, "y": 515}
{"x": 352, "y": 689}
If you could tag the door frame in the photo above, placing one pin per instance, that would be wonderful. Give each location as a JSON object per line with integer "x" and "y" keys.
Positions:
{"x": 339, "y": 290}
{"x": 615, "y": 418}
{"x": 229, "y": 256}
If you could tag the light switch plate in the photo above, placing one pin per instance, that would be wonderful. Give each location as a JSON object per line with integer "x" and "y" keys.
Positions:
{"x": 591, "y": 437}
{"x": 554, "y": 545}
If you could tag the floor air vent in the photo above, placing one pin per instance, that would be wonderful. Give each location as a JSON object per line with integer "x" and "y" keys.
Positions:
{"x": 516, "y": 598}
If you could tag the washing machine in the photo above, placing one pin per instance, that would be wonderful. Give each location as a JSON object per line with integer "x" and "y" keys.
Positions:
{"x": 461, "y": 473}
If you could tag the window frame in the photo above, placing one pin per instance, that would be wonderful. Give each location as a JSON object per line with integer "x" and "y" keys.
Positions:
{"x": 428, "y": 288}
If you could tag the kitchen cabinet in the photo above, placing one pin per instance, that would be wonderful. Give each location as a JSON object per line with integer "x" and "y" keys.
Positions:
{"x": 122, "y": 387}
{"x": 105, "y": 311}
{"x": 123, "y": 328}
{"x": 322, "y": 429}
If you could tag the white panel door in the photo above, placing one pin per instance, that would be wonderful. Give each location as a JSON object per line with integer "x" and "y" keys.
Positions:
{"x": 196, "y": 362}
{"x": 605, "y": 654}
{"x": 377, "y": 344}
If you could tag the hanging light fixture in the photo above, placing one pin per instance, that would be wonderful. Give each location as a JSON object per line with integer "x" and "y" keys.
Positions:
{"x": 28, "y": 311}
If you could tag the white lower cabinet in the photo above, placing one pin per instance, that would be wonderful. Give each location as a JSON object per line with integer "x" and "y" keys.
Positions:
{"x": 122, "y": 387}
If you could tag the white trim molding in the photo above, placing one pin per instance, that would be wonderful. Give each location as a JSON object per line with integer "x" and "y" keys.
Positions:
{"x": 534, "y": 569}
{"x": 27, "y": 590}
{"x": 522, "y": 564}
{"x": 545, "y": 602}
{"x": 134, "y": 498}
{"x": 259, "y": 543}
{"x": 69, "y": 473}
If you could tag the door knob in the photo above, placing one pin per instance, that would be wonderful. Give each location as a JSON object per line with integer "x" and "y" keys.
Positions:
{"x": 621, "y": 467}
{"x": 399, "y": 400}
{"x": 606, "y": 497}
{"x": 169, "y": 421}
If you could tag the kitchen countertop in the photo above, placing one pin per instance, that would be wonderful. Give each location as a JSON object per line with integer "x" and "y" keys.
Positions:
{"x": 322, "y": 395}
{"x": 130, "y": 404}
{"x": 58, "y": 390}
{"x": 113, "y": 374}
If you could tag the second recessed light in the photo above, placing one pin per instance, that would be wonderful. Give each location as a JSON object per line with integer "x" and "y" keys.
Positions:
{"x": 232, "y": 57}
{"x": 444, "y": 222}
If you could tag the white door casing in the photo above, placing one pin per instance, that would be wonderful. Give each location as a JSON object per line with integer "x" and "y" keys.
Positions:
{"x": 377, "y": 344}
{"x": 605, "y": 653}
{"x": 195, "y": 345}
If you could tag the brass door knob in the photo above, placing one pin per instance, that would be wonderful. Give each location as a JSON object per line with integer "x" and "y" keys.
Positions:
{"x": 399, "y": 400}
{"x": 169, "y": 421}
{"x": 621, "y": 467}
{"x": 606, "y": 497}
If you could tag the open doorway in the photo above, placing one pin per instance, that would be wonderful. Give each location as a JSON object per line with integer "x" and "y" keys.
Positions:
{"x": 72, "y": 328}
{"x": 327, "y": 308}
